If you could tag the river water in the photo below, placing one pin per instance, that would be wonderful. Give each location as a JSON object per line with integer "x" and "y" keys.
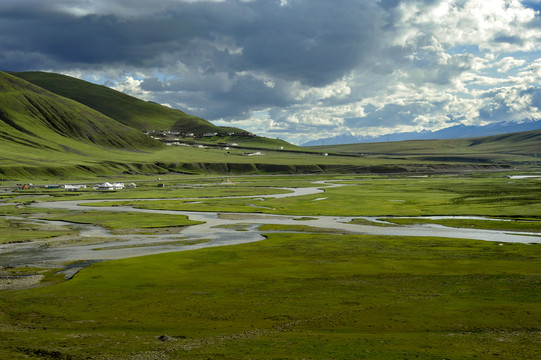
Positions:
{"x": 217, "y": 229}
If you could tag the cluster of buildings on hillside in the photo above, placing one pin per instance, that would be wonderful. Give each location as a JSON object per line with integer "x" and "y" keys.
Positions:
{"x": 173, "y": 138}
{"x": 161, "y": 134}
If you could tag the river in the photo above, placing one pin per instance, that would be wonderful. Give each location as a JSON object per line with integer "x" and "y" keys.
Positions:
{"x": 217, "y": 229}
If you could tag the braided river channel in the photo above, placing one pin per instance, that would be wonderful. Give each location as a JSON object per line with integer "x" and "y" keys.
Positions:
{"x": 216, "y": 229}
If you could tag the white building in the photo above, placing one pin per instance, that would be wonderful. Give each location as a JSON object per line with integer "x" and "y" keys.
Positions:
{"x": 111, "y": 186}
{"x": 74, "y": 187}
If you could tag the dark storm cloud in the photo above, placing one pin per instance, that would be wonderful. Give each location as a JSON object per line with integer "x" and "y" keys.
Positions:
{"x": 65, "y": 40}
{"x": 314, "y": 42}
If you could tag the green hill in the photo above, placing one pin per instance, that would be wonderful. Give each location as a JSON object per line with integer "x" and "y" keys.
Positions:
{"x": 35, "y": 117}
{"x": 488, "y": 148}
{"x": 128, "y": 110}
{"x": 47, "y": 136}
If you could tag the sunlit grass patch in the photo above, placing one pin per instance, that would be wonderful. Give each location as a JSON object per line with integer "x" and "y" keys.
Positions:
{"x": 511, "y": 225}
{"x": 182, "y": 242}
{"x": 301, "y": 228}
{"x": 15, "y": 231}
{"x": 126, "y": 220}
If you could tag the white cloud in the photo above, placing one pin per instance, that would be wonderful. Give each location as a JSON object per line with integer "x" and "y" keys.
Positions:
{"x": 508, "y": 63}
{"x": 496, "y": 25}
{"x": 132, "y": 86}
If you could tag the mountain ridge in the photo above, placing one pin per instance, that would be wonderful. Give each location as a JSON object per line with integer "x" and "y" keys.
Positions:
{"x": 128, "y": 110}
{"x": 37, "y": 117}
{"x": 454, "y": 132}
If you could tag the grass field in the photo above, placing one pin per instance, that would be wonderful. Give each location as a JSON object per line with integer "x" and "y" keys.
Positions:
{"x": 299, "y": 294}
{"x": 291, "y": 296}
{"x": 496, "y": 195}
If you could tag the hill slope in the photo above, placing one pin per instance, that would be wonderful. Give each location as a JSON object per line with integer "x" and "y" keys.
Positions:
{"x": 525, "y": 143}
{"x": 32, "y": 116}
{"x": 130, "y": 111}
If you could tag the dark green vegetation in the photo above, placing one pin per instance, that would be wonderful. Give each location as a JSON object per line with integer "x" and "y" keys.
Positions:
{"x": 292, "y": 296}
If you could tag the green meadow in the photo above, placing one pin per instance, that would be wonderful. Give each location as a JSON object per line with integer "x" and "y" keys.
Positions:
{"x": 302, "y": 293}
{"x": 291, "y": 296}
{"x": 496, "y": 195}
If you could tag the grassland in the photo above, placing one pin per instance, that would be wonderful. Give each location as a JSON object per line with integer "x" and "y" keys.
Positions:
{"x": 81, "y": 130}
{"x": 292, "y": 296}
{"x": 14, "y": 231}
{"x": 301, "y": 293}
{"x": 125, "y": 220}
{"x": 487, "y": 149}
{"x": 389, "y": 196}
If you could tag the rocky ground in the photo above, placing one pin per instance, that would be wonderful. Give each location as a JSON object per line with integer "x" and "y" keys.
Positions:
{"x": 19, "y": 282}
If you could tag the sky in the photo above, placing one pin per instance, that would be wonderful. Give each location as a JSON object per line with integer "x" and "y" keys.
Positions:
{"x": 297, "y": 70}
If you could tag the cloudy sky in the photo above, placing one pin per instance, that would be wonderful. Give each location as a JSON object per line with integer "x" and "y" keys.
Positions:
{"x": 295, "y": 69}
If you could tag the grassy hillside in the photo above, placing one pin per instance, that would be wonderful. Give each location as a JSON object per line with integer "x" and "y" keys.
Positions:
{"x": 525, "y": 144}
{"x": 33, "y": 117}
{"x": 44, "y": 135}
{"x": 139, "y": 114}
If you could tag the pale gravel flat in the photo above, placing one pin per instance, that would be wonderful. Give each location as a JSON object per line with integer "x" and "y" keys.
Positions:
{"x": 19, "y": 282}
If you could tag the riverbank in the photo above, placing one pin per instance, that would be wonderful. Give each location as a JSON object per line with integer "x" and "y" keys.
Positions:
{"x": 212, "y": 229}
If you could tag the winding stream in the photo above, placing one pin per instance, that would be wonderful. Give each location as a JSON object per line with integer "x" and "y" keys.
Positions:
{"x": 218, "y": 229}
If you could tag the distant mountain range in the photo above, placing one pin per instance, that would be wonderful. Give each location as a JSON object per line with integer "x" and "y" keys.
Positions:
{"x": 453, "y": 132}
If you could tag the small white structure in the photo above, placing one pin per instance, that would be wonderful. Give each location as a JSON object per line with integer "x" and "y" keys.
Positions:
{"x": 74, "y": 187}
{"x": 111, "y": 186}
{"x": 131, "y": 186}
